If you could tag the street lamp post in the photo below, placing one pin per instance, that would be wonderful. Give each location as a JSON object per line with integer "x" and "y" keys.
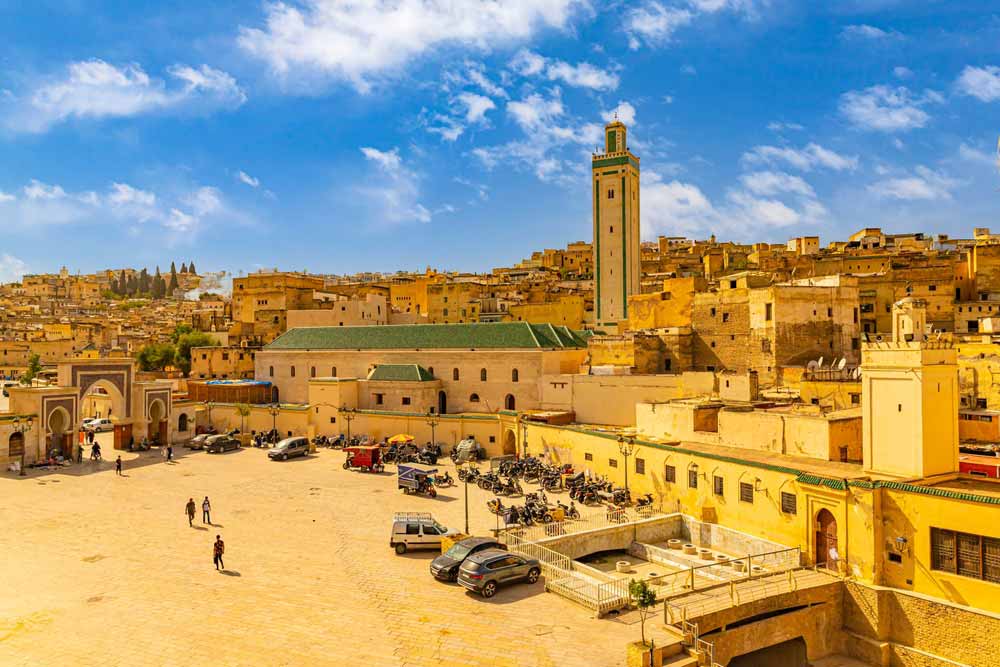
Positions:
{"x": 524, "y": 440}
{"x": 430, "y": 421}
{"x": 347, "y": 414}
{"x": 274, "y": 410}
{"x": 22, "y": 426}
{"x": 626, "y": 446}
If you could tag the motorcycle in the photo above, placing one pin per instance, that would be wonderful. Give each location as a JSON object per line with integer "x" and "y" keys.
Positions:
{"x": 570, "y": 512}
{"x": 496, "y": 506}
{"x": 444, "y": 480}
{"x": 645, "y": 500}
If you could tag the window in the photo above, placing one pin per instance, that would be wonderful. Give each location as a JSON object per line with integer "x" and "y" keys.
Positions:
{"x": 513, "y": 375}
{"x": 965, "y": 554}
{"x": 611, "y": 193}
{"x": 379, "y": 399}
{"x": 932, "y": 288}
{"x": 333, "y": 420}
{"x": 333, "y": 372}
{"x": 789, "y": 503}
{"x": 482, "y": 375}
{"x": 588, "y": 456}
{"x": 613, "y": 463}
{"x": 446, "y": 312}
{"x": 718, "y": 485}
{"x": 406, "y": 400}
{"x": 746, "y": 492}
{"x": 829, "y": 312}
{"x": 474, "y": 398}
{"x": 312, "y": 372}
{"x": 413, "y": 529}
{"x": 270, "y": 371}
{"x": 692, "y": 479}
{"x": 454, "y": 375}
{"x": 725, "y": 317}
{"x": 669, "y": 474}
{"x": 640, "y": 466}
{"x": 225, "y": 356}
{"x": 291, "y": 371}
{"x": 855, "y": 398}
{"x": 713, "y": 312}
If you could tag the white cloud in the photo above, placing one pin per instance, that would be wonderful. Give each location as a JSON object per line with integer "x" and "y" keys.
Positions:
{"x": 886, "y": 109}
{"x": 581, "y": 75}
{"x": 624, "y": 112}
{"x": 689, "y": 70}
{"x": 12, "y": 269}
{"x": 770, "y": 183}
{"x": 395, "y": 195}
{"x": 777, "y": 126}
{"x": 476, "y": 74}
{"x": 973, "y": 154}
{"x": 5, "y": 197}
{"x": 248, "y": 179}
{"x": 983, "y": 83}
{"x": 38, "y": 190}
{"x": 654, "y": 23}
{"x": 925, "y": 185}
{"x": 476, "y": 106}
{"x": 482, "y": 191}
{"x": 449, "y": 128}
{"x": 901, "y": 72}
{"x": 357, "y": 41}
{"x": 97, "y": 89}
{"x": 864, "y": 31}
{"x": 805, "y": 159}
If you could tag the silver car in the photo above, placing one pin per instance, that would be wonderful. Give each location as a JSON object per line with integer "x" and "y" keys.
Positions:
{"x": 485, "y": 571}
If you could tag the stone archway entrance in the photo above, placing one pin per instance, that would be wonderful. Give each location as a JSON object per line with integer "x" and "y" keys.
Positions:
{"x": 509, "y": 443}
{"x": 59, "y": 432}
{"x": 157, "y": 427}
{"x": 791, "y": 653}
{"x": 15, "y": 445}
{"x": 826, "y": 538}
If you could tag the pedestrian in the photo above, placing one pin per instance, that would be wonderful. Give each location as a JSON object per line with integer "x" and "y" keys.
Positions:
{"x": 189, "y": 510}
{"x": 90, "y": 437}
{"x": 170, "y": 453}
{"x": 834, "y": 560}
{"x": 206, "y": 511}
{"x": 79, "y": 453}
{"x": 217, "y": 551}
{"x": 118, "y": 466}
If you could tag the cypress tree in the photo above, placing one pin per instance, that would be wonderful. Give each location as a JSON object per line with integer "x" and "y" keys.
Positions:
{"x": 191, "y": 269}
{"x": 184, "y": 267}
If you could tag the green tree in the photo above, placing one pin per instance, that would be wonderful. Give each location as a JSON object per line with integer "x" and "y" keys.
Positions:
{"x": 172, "y": 285}
{"x": 182, "y": 358}
{"x": 144, "y": 283}
{"x": 156, "y": 356}
{"x": 184, "y": 267}
{"x": 34, "y": 368}
{"x": 158, "y": 287}
{"x": 122, "y": 283}
{"x": 243, "y": 410}
{"x": 191, "y": 269}
{"x": 644, "y": 598}
{"x": 179, "y": 331}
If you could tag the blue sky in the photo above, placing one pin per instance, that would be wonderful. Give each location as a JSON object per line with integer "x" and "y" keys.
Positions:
{"x": 338, "y": 136}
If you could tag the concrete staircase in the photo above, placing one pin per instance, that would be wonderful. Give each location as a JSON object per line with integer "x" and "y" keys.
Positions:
{"x": 669, "y": 650}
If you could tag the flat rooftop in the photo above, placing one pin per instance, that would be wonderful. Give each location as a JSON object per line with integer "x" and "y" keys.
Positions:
{"x": 981, "y": 486}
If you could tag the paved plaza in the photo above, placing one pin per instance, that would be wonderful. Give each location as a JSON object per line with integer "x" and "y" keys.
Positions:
{"x": 102, "y": 570}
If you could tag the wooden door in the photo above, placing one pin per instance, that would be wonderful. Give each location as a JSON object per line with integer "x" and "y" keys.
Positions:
{"x": 163, "y": 432}
{"x": 826, "y": 537}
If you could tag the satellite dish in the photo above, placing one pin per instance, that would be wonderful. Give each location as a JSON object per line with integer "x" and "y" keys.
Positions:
{"x": 819, "y": 363}
{"x": 811, "y": 366}
{"x": 842, "y": 364}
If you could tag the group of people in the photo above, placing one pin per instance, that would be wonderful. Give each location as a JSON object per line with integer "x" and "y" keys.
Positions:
{"x": 219, "y": 547}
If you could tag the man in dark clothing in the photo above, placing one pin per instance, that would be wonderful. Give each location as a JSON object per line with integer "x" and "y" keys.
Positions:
{"x": 189, "y": 510}
{"x": 217, "y": 551}
{"x": 170, "y": 452}
{"x": 206, "y": 511}
{"x": 118, "y": 465}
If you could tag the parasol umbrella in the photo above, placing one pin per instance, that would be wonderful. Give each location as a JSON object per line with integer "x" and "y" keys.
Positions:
{"x": 401, "y": 439}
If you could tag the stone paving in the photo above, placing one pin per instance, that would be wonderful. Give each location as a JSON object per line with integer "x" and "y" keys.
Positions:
{"x": 101, "y": 570}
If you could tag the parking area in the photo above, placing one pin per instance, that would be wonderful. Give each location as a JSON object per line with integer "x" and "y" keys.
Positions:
{"x": 105, "y": 570}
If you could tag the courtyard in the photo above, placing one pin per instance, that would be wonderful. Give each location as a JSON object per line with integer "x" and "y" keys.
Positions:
{"x": 102, "y": 570}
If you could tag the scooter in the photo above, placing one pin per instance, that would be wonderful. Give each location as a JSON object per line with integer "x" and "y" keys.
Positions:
{"x": 444, "y": 480}
{"x": 570, "y": 512}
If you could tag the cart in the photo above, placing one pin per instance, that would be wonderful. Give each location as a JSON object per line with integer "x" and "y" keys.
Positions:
{"x": 367, "y": 458}
{"x": 416, "y": 479}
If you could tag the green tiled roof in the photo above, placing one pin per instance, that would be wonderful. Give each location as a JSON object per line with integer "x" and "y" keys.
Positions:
{"x": 400, "y": 373}
{"x": 496, "y": 335}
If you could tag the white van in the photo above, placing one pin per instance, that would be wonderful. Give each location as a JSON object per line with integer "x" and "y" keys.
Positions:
{"x": 416, "y": 530}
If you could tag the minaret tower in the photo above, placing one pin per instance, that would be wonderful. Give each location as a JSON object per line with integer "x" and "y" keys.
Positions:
{"x": 616, "y": 227}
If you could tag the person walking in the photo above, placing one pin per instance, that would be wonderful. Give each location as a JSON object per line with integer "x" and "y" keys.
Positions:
{"x": 217, "y": 551}
{"x": 206, "y": 511}
{"x": 170, "y": 453}
{"x": 189, "y": 510}
{"x": 118, "y": 466}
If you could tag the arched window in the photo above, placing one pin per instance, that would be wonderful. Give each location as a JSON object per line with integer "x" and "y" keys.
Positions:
{"x": 454, "y": 375}
{"x": 333, "y": 372}
{"x": 312, "y": 372}
{"x": 270, "y": 371}
{"x": 292, "y": 370}
{"x": 508, "y": 402}
{"x": 482, "y": 375}
{"x": 182, "y": 422}
{"x": 513, "y": 375}
{"x": 474, "y": 398}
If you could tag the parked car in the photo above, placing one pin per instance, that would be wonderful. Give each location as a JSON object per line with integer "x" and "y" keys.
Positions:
{"x": 445, "y": 567}
{"x": 487, "y": 570}
{"x": 217, "y": 444}
{"x": 288, "y": 448}
{"x": 198, "y": 441}
{"x": 416, "y": 530}
{"x": 99, "y": 425}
